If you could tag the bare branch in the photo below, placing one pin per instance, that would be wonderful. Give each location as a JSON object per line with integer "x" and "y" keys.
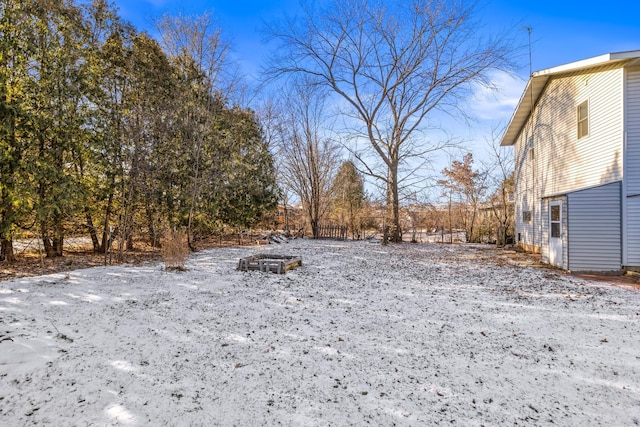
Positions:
{"x": 393, "y": 65}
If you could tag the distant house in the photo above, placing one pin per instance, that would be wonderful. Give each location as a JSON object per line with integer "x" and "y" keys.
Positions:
{"x": 576, "y": 133}
{"x": 289, "y": 217}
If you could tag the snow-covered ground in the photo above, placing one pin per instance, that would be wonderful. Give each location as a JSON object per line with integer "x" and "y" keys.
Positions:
{"x": 420, "y": 334}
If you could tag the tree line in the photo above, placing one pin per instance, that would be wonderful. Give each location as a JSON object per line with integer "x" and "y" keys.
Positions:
{"x": 104, "y": 129}
{"x": 467, "y": 203}
{"x": 107, "y": 131}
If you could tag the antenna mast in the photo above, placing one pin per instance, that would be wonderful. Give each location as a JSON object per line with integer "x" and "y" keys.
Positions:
{"x": 528, "y": 29}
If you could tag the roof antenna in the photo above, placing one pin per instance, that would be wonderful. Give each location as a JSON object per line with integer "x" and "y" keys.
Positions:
{"x": 528, "y": 29}
{"x": 531, "y": 112}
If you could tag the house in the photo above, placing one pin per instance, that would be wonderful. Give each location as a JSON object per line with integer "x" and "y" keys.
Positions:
{"x": 576, "y": 135}
{"x": 289, "y": 217}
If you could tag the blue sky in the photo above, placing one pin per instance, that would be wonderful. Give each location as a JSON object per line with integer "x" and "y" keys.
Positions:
{"x": 567, "y": 31}
{"x": 563, "y": 31}
{"x": 240, "y": 21}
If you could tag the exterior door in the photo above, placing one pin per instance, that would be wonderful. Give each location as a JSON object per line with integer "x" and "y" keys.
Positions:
{"x": 555, "y": 233}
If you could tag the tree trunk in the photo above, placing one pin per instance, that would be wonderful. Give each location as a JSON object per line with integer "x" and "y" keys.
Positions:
{"x": 450, "y": 223}
{"x": 58, "y": 238}
{"x": 6, "y": 241}
{"x": 473, "y": 225}
{"x": 104, "y": 247}
{"x": 92, "y": 230}
{"x": 79, "y": 168}
{"x": 48, "y": 246}
{"x": 7, "y": 189}
{"x": 154, "y": 239}
{"x": 6, "y": 250}
{"x": 194, "y": 195}
{"x": 58, "y": 242}
{"x": 393, "y": 198}
{"x": 130, "y": 245}
{"x": 127, "y": 220}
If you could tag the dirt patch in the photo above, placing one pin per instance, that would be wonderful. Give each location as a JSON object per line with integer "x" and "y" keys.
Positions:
{"x": 29, "y": 265}
{"x": 616, "y": 280}
{"x": 506, "y": 256}
{"x": 80, "y": 255}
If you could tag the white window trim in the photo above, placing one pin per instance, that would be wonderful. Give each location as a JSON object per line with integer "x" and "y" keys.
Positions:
{"x": 587, "y": 119}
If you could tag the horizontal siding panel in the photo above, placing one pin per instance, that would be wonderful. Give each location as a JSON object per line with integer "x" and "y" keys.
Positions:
{"x": 596, "y": 252}
{"x": 594, "y": 228}
{"x": 564, "y": 163}
{"x": 633, "y": 231}
{"x": 603, "y": 237}
{"x": 632, "y": 109}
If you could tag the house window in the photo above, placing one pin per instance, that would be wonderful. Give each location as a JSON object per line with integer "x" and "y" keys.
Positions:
{"x": 583, "y": 119}
{"x": 555, "y": 221}
{"x": 531, "y": 152}
{"x": 526, "y": 216}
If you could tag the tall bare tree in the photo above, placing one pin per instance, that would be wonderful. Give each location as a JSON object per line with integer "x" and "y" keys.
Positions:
{"x": 274, "y": 123}
{"x": 502, "y": 181}
{"x": 310, "y": 157}
{"x": 196, "y": 46}
{"x": 393, "y": 64}
{"x": 200, "y": 38}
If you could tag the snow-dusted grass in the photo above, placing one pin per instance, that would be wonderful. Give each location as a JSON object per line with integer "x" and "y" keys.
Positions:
{"x": 419, "y": 334}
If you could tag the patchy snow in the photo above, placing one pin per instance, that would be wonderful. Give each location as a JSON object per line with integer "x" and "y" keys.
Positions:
{"x": 417, "y": 334}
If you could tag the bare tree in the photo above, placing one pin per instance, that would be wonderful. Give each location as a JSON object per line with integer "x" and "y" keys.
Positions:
{"x": 274, "y": 126}
{"x": 200, "y": 38}
{"x": 310, "y": 158}
{"x": 196, "y": 45}
{"x": 467, "y": 187}
{"x": 501, "y": 179}
{"x": 394, "y": 64}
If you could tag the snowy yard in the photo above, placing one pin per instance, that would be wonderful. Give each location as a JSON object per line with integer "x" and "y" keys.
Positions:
{"x": 418, "y": 334}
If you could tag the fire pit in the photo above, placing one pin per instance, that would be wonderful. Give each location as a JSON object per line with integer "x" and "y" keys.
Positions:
{"x": 267, "y": 262}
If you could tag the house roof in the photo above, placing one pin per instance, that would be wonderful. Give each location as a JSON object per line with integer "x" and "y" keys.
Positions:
{"x": 539, "y": 79}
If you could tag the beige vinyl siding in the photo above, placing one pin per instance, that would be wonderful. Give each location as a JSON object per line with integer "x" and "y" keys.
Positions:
{"x": 565, "y": 163}
{"x": 527, "y": 197}
{"x": 632, "y": 168}
{"x": 633, "y": 132}
{"x": 594, "y": 229}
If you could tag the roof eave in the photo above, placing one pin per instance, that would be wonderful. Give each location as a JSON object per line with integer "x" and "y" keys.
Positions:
{"x": 532, "y": 91}
{"x": 538, "y": 81}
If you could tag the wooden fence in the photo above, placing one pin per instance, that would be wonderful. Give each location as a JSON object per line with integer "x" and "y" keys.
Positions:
{"x": 331, "y": 231}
